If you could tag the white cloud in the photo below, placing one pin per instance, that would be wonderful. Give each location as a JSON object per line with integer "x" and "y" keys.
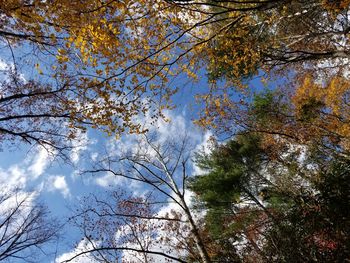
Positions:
{"x": 205, "y": 147}
{"x": 94, "y": 156}
{"x": 31, "y": 168}
{"x": 6, "y": 68}
{"x": 109, "y": 180}
{"x": 39, "y": 162}
{"x": 13, "y": 177}
{"x": 58, "y": 183}
{"x": 3, "y": 65}
{"x": 83, "y": 245}
{"x": 172, "y": 128}
{"x": 80, "y": 144}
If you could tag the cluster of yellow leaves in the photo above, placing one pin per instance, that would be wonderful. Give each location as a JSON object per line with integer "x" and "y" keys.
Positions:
{"x": 333, "y": 94}
{"x": 331, "y": 103}
{"x": 221, "y": 112}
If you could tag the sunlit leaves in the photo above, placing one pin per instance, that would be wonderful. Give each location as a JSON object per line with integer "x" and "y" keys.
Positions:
{"x": 120, "y": 57}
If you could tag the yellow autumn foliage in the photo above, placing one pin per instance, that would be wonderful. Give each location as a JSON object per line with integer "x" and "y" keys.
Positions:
{"x": 115, "y": 57}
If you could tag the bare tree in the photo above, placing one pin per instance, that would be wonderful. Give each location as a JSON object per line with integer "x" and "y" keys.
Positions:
{"x": 161, "y": 166}
{"x": 35, "y": 113}
{"x": 33, "y": 105}
{"x": 24, "y": 226}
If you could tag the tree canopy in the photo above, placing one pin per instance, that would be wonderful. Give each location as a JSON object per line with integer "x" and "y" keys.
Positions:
{"x": 276, "y": 189}
{"x": 112, "y": 60}
{"x": 283, "y": 211}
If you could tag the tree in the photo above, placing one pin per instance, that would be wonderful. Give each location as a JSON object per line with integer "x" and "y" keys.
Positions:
{"x": 230, "y": 189}
{"x": 33, "y": 108}
{"x": 120, "y": 227}
{"x": 265, "y": 37}
{"x": 274, "y": 201}
{"x": 161, "y": 167}
{"x": 24, "y": 227}
{"x": 89, "y": 56}
{"x": 114, "y": 58}
{"x": 37, "y": 35}
{"x": 308, "y": 113}
{"x": 35, "y": 113}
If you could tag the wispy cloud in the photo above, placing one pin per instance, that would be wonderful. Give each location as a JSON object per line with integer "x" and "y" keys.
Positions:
{"x": 39, "y": 162}
{"x": 83, "y": 245}
{"x": 80, "y": 144}
{"x": 58, "y": 183}
{"x": 20, "y": 174}
{"x": 109, "y": 180}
